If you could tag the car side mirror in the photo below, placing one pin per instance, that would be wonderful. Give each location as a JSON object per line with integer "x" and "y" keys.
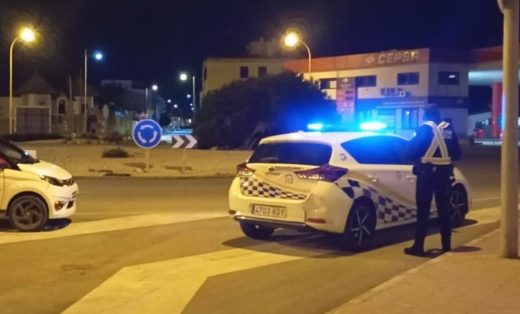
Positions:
{"x": 3, "y": 164}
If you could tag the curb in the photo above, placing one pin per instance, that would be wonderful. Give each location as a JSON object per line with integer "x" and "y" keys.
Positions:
{"x": 130, "y": 177}
{"x": 366, "y": 296}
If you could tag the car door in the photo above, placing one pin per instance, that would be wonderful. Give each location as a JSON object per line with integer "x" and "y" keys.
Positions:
{"x": 381, "y": 161}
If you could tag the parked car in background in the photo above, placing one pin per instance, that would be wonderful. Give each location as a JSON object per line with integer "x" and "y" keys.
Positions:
{"x": 33, "y": 191}
{"x": 350, "y": 184}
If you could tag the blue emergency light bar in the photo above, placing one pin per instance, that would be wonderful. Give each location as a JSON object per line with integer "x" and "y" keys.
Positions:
{"x": 315, "y": 126}
{"x": 373, "y": 126}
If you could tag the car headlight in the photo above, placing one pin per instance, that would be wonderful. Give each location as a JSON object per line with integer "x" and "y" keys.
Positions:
{"x": 53, "y": 180}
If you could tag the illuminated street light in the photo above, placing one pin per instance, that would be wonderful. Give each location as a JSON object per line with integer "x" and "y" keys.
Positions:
{"x": 292, "y": 40}
{"x": 169, "y": 101}
{"x": 155, "y": 87}
{"x": 175, "y": 106}
{"x": 183, "y": 76}
{"x": 26, "y": 35}
{"x": 98, "y": 55}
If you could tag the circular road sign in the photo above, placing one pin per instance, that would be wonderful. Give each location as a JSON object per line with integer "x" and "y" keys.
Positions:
{"x": 147, "y": 134}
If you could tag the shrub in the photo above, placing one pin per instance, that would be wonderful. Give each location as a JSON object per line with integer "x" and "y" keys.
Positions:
{"x": 89, "y": 136}
{"x": 32, "y": 137}
{"x": 116, "y": 153}
{"x": 114, "y": 137}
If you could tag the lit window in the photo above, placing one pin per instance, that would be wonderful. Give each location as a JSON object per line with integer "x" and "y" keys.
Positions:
{"x": 448, "y": 78}
{"x": 409, "y": 118}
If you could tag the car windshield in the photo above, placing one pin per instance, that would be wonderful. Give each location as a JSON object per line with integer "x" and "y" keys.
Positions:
{"x": 15, "y": 154}
{"x": 292, "y": 153}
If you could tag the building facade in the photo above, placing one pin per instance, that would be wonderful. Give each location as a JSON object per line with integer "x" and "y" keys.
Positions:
{"x": 393, "y": 87}
{"x": 218, "y": 72}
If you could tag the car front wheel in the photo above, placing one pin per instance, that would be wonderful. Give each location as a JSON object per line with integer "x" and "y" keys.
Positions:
{"x": 256, "y": 231}
{"x": 28, "y": 213}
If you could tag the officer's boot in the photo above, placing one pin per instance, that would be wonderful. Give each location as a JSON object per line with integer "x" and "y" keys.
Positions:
{"x": 417, "y": 249}
{"x": 446, "y": 243}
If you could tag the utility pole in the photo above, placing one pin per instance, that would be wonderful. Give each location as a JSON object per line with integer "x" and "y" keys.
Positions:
{"x": 509, "y": 167}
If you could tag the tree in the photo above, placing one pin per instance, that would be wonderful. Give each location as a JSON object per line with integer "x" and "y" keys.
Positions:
{"x": 239, "y": 114}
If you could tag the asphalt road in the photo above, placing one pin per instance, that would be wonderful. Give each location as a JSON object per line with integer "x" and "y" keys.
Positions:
{"x": 178, "y": 229}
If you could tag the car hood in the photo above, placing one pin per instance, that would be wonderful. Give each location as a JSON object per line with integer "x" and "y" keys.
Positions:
{"x": 43, "y": 168}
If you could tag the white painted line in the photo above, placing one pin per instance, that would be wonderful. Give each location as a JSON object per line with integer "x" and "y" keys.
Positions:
{"x": 168, "y": 286}
{"x": 110, "y": 214}
{"x": 106, "y": 225}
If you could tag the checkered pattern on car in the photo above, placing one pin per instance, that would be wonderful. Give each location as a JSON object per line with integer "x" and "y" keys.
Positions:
{"x": 388, "y": 210}
{"x": 252, "y": 187}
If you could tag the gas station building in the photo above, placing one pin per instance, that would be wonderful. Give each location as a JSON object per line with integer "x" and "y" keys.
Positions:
{"x": 394, "y": 87}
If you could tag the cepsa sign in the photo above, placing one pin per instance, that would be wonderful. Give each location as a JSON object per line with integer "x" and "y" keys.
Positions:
{"x": 393, "y": 57}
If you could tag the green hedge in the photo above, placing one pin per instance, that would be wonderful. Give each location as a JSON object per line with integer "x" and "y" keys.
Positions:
{"x": 32, "y": 137}
{"x": 116, "y": 153}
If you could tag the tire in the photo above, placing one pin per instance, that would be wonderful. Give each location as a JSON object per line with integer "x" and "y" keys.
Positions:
{"x": 256, "y": 231}
{"x": 28, "y": 213}
{"x": 360, "y": 227}
{"x": 458, "y": 206}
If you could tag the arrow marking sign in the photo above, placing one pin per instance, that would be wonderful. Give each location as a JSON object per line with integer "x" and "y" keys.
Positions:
{"x": 168, "y": 286}
{"x": 183, "y": 141}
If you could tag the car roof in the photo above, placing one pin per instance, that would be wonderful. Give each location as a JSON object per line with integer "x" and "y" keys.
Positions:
{"x": 324, "y": 137}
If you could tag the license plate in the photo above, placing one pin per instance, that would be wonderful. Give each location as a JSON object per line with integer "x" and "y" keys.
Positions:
{"x": 270, "y": 211}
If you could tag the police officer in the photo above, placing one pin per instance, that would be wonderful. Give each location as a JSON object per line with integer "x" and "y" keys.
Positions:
{"x": 432, "y": 150}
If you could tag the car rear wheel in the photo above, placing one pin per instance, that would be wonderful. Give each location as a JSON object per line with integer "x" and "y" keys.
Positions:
{"x": 256, "y": 231}
{"x": 360, "y": 228}
{"x": 458, "y": 206}
{"x": 28, "y": 213}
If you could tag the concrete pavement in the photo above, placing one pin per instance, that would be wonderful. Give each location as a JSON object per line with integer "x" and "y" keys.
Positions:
{"x": 471, "y": 279}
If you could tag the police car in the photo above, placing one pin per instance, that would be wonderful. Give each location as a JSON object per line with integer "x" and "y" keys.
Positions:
{"x": 33, "y": 191}
{"x": 350, "y": 184}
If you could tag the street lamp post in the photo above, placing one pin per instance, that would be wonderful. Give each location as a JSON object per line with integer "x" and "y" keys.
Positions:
{"x": 98, "y": 56}
{"x": 509, "y": 167}
{"x": 292, "y": 40}
{"x": 26, "y": 35}
{"x": 184, "y": 77}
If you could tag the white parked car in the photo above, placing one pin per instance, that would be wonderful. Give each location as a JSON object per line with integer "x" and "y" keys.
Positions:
{"x": 33, "y": 191}
{"x": 350, "y": 184}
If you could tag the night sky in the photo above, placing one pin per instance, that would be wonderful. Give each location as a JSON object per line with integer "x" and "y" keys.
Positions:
{"x": 151, "y": 41}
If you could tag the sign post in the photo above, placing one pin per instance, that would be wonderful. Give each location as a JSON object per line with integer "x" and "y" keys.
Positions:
{"x": 147, "y": 135}
{"x": 509, "y": 171}
{"x": 184, "y": 142}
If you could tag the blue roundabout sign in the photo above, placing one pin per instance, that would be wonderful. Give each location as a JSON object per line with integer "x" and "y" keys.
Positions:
{"x": 147, "y": 134}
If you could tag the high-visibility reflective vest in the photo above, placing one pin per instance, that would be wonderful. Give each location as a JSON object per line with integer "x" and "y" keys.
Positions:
{"x": 437, "y": 143}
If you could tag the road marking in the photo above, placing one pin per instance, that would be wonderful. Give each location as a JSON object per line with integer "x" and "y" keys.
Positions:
{"x": 168, "y": 286}
{"x": 123, "y": 223}
{"x": 111, "y": 214}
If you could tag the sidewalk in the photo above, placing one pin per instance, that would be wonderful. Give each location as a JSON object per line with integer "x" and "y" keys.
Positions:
{"x": 471, "y": 279}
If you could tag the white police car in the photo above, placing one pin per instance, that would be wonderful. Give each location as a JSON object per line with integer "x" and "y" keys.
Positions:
{"x": 344, "y": 183}
{"x": 33, "y": 191}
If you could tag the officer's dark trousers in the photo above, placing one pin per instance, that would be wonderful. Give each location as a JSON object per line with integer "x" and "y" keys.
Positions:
{"x": 433, "y": 180}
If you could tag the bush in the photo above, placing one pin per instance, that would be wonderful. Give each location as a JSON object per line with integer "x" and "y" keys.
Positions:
{"x": 32, "y": 137}
{"x": 88, "y": 136}
{"x": 114, "y": 137}
{"x": 116, "y": 153}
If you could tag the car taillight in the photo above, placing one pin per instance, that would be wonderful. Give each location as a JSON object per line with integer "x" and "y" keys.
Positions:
{"x": 325, "y": 173}
{"x": 243, "y": 170}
